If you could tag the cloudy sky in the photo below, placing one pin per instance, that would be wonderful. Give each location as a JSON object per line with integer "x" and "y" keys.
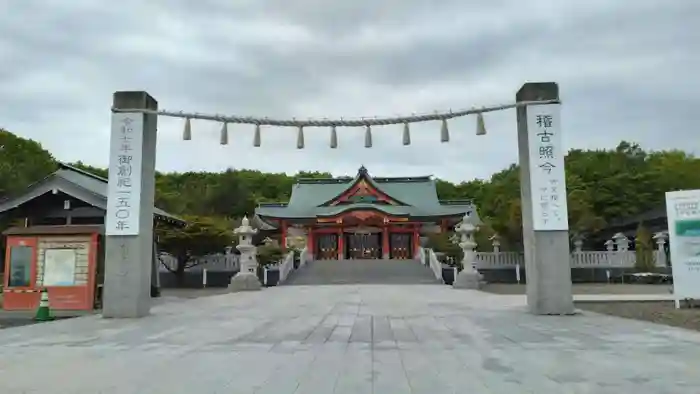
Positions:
{"x": 626, "y": 69}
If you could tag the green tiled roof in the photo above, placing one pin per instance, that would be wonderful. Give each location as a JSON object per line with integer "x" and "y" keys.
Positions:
{"x": 417, "y": 193}
{"x": 80, "y": 184}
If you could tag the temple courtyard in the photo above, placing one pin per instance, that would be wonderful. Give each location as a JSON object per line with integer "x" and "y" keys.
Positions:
{"x": 349, "y": 339}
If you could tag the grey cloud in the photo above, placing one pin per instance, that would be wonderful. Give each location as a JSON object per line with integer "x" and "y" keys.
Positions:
{"x": 626, "y": 71}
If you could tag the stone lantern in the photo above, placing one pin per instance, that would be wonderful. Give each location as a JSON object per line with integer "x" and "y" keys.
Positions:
{"x": 246, "y": 279}
{"x": 496, "y": 243}
{"x": 469, "y": 277}
{"x": 609, "y": 245}
{"x": 578, "y": 243}
{"x": 621, "y": 241}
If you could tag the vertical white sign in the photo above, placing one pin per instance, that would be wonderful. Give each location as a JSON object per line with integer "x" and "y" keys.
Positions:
{"x": 683, "y": 215}
{"x": 547, "y": 176}
{"x": 124, "y": 189}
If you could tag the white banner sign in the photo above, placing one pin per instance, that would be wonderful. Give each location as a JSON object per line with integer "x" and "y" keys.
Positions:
{"x": 683, "y": 215}
{"x": 547, "y": 178}
{"x": 124, "y": 174}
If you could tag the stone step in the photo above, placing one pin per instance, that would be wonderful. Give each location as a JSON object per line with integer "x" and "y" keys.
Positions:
{"x": 390, "y": 271}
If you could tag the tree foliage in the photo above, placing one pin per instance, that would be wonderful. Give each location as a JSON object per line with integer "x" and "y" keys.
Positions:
{"x": 602, "y": 185}
{"x": 201, "y": 236}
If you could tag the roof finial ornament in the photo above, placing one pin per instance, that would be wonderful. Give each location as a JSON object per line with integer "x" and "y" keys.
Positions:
{"x": 362, "y": 170}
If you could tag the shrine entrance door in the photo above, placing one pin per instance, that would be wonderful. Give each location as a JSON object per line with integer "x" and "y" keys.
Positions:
{"x": 363, "y": 245}
{"x": 326, "y": 246}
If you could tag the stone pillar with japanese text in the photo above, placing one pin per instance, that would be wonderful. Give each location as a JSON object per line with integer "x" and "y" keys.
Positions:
{"x": 129, "y": 217}
{"x": 543, "y": 196}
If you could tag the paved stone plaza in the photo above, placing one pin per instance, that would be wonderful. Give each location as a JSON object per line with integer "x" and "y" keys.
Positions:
{"x": 349, "y": 339}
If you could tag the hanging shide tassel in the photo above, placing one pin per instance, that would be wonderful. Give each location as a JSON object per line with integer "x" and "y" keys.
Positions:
{"x": 224, "y": 134}
{"x": 187, "y": 133}
{"x": 480, "y": 126}
{"x": 256, "y": 137}
{"x": 334, "y": 138}
{"x": 300, "y": 138}
{"x": 406, "y": 135}
{"x": 444, "y": 132}
{"x": 368, "y": 136}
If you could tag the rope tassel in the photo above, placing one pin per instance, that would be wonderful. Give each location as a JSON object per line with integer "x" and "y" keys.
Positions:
{"x": 406, "y": 134}
{"x": 187, "y": 133}
{"x": 444, "y": 132}
{"x": 368, "y": 136}
{"x": 334, "y": 138}
{"x": 256, "y": 138}
{"x": 300, "y": 138}
{"x": 480, "y": 125}
{"x": 224, "y": 134}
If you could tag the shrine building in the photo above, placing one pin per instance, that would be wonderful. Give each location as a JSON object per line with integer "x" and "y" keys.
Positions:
{"x": 362, "y": 217}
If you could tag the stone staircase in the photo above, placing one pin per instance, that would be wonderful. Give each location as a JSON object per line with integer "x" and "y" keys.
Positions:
{"x": 326, "y": 272}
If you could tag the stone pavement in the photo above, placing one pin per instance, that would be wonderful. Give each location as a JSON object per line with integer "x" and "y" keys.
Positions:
{"x": 349, "y": 339}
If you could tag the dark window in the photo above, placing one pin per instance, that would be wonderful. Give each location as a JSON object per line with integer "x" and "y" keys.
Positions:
{"x": 20, "y": 266}
{"x": 88, "y": 220}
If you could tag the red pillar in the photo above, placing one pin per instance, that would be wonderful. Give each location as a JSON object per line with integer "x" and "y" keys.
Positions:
{"x": 385, "y": 243}
{"x": 341, "y": 244}
{"x": 416, "y": 241}
{"x": 311, "y": 243}
{"x": 283, "y": 237}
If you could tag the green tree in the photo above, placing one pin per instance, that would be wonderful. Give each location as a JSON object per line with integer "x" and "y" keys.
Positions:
{"x": 644, "y": 250}
{"x": 22, "y": 162}
{"x": 201, "y": 236}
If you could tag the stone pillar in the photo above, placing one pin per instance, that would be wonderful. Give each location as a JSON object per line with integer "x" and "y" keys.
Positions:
{"x": 469, "y": 277}
{"x": 246, "y": 279}
{"x": 129, "y": 217}
{"x": 549, "y": 290}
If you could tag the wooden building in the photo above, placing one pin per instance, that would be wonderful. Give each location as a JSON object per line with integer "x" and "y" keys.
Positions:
{"x": 59, "y": 243}
{"x": 362, "y": 217}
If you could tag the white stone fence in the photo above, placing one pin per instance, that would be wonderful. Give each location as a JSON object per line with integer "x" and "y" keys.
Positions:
{"x": 617, "y": 255}
{"x": 212, "y": 262}
{"x": 286, "y": 266}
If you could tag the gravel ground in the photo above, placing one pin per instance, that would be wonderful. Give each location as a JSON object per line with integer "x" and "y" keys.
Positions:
{"x": 592, "y": 288}
{"x": 656, "y": 312}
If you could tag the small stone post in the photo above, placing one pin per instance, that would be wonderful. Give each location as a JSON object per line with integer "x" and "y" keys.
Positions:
{"x": 246, "y": 279}
{"x": 660, "y": 239}
{"x": 469, "y": 277}
{"x": 496, "y": 243}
